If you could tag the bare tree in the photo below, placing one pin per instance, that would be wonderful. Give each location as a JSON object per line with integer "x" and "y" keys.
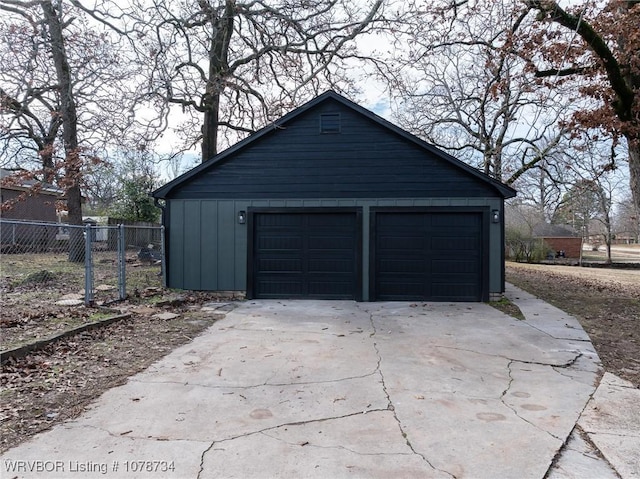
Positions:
{"x": 29, "y": 103}
{"x": 588, "y": 49}
{"x": 69, "y": 116}
{"x": 461, "y": 85}
{"x": 544, "y": 185}
{"x": 478, "y": 102}
{"x": 589, "y": 202}
{"x": 235, "y": 66}
{"x": 599, "y": 46}
{"x": 60, "y": 96}
{"x": 627, "y": 220}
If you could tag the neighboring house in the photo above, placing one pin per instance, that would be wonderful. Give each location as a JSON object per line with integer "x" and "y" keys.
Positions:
{"x": 27, "y": 201}
{"x": 331, "y": 201}
{"x": 564, "y": 241}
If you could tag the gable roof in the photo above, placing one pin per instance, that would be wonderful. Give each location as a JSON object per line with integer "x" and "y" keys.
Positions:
{"x": 548, "y": 230}
{"x": 14, "y": 180}
{"x": 164, "y": 191}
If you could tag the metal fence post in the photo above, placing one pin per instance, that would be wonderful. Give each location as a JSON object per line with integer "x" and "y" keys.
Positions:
{"x": 88, "y": 267}
{"x": 122, "y": 263}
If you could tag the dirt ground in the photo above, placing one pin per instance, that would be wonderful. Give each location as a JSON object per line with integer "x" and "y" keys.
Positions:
{"x": 56, "y": 383}
{"x": 605, "y": 301}
{"x": 59, "y": 381}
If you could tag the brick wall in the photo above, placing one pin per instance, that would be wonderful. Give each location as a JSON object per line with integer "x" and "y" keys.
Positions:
{"x": 570, "y": 246}
{"x": 35, "y": 207}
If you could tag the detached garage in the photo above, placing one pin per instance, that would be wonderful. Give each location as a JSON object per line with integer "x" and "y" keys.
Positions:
{"x": 334, "y": 202}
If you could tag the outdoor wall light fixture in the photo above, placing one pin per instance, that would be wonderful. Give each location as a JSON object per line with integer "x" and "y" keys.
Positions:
{"x": 495, "y": 216}
{"x": 242, "y": 217}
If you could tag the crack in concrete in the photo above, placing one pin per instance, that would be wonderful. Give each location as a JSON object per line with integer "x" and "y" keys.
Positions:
{"x": 564, "y": 441}
{"x": 529, "y": 317}
{"x": 565, "y": 365}
{"x": 278, "y": 426}
{"x": 586, "y": 438}
{"x": 573, "y": 378}
{"x": 255, "y": 386}
{"x": 556, "y": 457}
{"x": 202, "y": 456}
{"x": 340, "y": 447}
{"x": 624, "y": 386}
{"x": 559, "y": 338}
{"x": 391, "y": 407}
{"x": 289, "y": 331}
{"x": 612, "y": 434}
{"x": 127, "y": 435}
{"x": 582, "y": 433}
{"x": 502, "y": 400}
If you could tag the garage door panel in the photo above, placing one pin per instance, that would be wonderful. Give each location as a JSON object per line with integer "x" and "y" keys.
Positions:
{"x": 278, "y": 242}
{"x": 404, "y": 266}
{"x": 279, "y": 265}
{"x": 457, "y": 220}
{"x": 335, "y": 289}
{"x": 331, "y": 220}
{"x": 405, "y": 291}
{"x": 334, "y": 267}
{"x": 453, "y": 244}
{"x": 324, "y": 243}
{"x": 455, "y": 267}
{"x": 427, "y": 256}
{"x": 403, "y": 242}
{"x": 305, "y": 254}
{"x": 273, "y": 289}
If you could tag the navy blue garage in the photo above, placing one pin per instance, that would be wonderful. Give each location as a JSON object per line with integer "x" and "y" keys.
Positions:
{"x": 332, "y": 201}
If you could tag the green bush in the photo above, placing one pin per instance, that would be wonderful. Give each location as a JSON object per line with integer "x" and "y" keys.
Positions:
{"x": 522, "y": 247}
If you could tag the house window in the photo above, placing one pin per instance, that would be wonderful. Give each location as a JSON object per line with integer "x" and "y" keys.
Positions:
{"x": 330, "y": 123}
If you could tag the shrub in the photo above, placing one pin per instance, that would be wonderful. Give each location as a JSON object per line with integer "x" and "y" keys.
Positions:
{"x": 523, "y": 247}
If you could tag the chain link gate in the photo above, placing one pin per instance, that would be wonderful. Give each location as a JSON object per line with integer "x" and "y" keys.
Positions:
{"x": 100, "y": 264}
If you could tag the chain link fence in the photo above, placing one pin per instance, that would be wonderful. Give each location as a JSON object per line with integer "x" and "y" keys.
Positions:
{"x": 92, "y": 263}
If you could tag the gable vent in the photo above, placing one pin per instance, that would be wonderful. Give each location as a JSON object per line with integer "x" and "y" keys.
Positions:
{"x": 329, "y": 123}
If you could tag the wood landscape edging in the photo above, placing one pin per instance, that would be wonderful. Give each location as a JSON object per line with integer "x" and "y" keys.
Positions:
{"x": 25, "y": 349}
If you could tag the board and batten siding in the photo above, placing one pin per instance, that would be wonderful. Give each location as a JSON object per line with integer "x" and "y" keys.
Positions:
{"x": 208, "y": 247}
{"x": 364, "y": 160}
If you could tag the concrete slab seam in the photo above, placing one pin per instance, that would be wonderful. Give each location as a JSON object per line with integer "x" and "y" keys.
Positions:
{"x": 585, "y": 437}
{"x": 583, "y": 434}
{"x": 540, "y": 330}
{"x": 519, "y": 302}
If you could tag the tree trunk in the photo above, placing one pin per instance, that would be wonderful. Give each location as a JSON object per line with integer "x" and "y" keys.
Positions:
{"x": 69, "y": 116}
{"x": 222, "y": 30}
{"x": 210, "y": 127}
{"x": 46, "y": 156}
{"x": 634, "y": 173}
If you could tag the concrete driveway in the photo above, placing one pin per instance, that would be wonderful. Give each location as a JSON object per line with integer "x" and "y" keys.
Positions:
{"x": 330, "y": 389}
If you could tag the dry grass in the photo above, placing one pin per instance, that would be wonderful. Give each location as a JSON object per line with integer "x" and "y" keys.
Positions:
{"x": 605, "y": 301}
